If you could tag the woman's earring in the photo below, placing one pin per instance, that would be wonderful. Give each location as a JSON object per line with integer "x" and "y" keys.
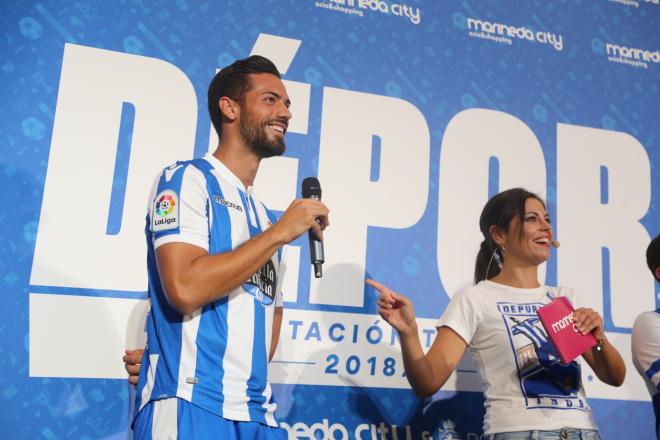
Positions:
{"x": 497, "y": 259}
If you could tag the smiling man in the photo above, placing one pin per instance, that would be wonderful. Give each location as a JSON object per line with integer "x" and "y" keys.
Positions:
{"x": 215, "y": 269}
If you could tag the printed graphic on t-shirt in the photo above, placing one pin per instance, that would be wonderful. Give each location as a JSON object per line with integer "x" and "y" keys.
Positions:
{"x": 544, "y": 381}
{"x": 262, "y": 284}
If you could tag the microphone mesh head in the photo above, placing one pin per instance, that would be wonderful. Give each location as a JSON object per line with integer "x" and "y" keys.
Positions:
{"x": 311, "y": 187}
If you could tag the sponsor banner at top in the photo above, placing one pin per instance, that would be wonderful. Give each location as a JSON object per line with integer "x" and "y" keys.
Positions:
{"x": 635, "y": 3}
{"x": 506, "y": 34}
{"x": 360, "y": 7}
{"x": 631, "y": 56}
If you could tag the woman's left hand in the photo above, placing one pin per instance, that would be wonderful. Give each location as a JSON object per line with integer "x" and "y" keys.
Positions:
{"x": 608, "y": 363}
{"x": 589, "y": 321}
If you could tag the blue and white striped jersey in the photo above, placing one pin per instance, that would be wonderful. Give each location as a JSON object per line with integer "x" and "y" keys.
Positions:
{"x": 216, "y": 357}
{"x": 645, "y": 347}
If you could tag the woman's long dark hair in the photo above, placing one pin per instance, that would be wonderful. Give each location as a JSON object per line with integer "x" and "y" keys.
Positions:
{"x": 499, "y": 211}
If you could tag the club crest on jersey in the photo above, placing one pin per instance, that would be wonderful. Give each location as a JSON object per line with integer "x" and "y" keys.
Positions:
{"x": 262, "y": 284}
{"x": 165, "y": 215}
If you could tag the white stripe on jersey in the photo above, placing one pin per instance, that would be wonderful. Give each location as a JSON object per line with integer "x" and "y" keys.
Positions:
{"x": 151, "y": 377}
{"x": 188, "y": 359}
{"x": 237, "y": 362}
{"x": 253, "y": 216}
{"x": 164, "y": 424}
{"x": 270, "y": 408}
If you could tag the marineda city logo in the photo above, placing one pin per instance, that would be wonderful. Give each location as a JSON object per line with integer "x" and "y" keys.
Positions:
{"x": 635, "y": 3}
{"x": 371, "y": 431}
{"x": 359, "y": 7}
{"x": 505, "y": 34}
{"x": 632, "y": 56}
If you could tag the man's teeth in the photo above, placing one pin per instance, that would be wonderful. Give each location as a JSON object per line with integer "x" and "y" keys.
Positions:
{"x": 277, "y": 128}
{"x": 542, "y": 241}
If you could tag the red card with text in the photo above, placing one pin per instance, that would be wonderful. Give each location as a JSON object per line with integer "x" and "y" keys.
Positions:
{"x": 557, "y": 319}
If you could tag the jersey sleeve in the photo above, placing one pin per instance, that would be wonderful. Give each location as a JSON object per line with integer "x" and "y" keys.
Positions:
{"x": 178, "y": 207}
{"x": 462, "y": 314}
{"x": 645, "y": 347}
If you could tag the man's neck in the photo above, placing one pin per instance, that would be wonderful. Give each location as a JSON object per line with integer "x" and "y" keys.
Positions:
{"x": 240, "y": 161}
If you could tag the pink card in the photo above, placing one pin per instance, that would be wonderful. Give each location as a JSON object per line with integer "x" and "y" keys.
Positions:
{"x": 556, "y": 318}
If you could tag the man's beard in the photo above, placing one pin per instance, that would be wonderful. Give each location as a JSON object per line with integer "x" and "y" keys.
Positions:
{"x": 254, "y": 135}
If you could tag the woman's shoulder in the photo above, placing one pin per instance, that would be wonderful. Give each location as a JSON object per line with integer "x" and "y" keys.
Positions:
{"x": 566, "y": 291}
{"x": 476, "y": 290}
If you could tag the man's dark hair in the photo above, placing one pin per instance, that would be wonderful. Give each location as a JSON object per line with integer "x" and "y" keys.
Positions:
{"x": 653, "y": 256}
{"x": 234, "y": 82}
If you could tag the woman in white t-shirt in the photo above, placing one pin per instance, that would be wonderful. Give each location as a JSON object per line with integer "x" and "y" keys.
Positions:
{"x": 529, "y": 393}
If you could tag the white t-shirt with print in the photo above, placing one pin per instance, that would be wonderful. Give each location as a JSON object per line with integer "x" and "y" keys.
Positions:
{"x": 525, "y": 385}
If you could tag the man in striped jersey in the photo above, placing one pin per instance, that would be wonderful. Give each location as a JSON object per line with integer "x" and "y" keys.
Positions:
{"x": 645, "y": 343}
{"x": 215, "y": 271}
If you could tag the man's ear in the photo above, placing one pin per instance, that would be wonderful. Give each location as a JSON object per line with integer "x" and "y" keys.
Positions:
{"x": 657, "y": 273}
{"x": 229, "y": 108}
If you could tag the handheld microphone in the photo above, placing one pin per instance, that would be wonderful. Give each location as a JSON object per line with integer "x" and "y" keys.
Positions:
{"x": 554, "y": 243}
{"x": 311, "y": 189}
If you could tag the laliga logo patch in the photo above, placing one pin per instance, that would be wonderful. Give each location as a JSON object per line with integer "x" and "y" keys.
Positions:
{"x": 166, "y": 211}
{"x": 165, "y": 205}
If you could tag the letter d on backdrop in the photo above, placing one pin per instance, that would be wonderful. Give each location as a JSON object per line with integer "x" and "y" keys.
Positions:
{"x": 73, "y": 248}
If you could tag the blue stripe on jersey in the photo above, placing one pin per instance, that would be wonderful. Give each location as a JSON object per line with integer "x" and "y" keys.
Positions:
{"x": 256, "y": 217}
{"x": 255, "y": 384}
{"x": 244, "y": 202}
{"x": 202, "y": 165}
{"x": 213, "y": 329}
